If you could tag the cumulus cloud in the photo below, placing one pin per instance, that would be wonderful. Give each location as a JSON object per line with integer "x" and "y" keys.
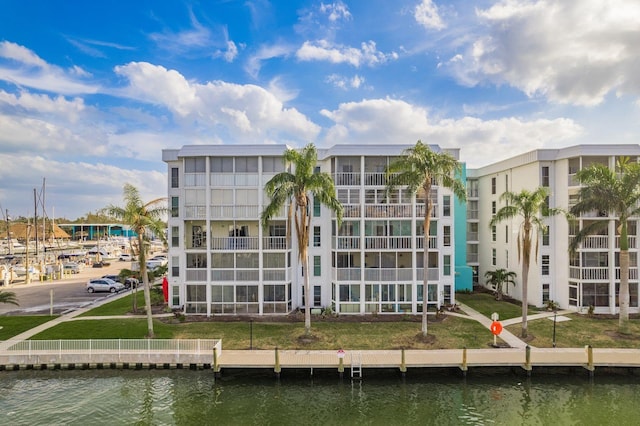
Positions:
{"x": 323, "y": 50}
{"x": 392, "y": 121}
{"x": 243, "y": 110}
{"x": 346, "y": 83}
{"x": 41, "y": 103}
{"x": 426, "y": 14}
{"x": 571, "y": 52}
{"x": 266, "y": 52}
{"x": 335, "y": 11}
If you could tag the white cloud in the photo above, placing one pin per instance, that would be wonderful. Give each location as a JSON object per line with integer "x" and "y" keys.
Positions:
{"x": 335, "y": 11}
{"x": 40, "y": 103}
{"x": 426, "y": 14}
{"x": 240, "y": 110}
{"x": 254, "y": 63}
{"x": 32, "y": 71}
{"x": 346, "y": 83}
{"x": 572, "y": 52}
{"x": 323, "y": 50}
{"x": 391, "y": 121}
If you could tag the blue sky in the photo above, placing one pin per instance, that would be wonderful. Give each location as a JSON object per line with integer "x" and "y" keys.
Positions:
{"x": 91, "y": 92}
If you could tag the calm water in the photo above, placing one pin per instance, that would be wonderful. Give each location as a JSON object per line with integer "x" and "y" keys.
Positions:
{"x": 161, "y": 397}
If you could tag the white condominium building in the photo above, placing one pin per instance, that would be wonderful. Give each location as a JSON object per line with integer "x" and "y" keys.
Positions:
{"x": 588, "y": 277}
{"x": 222, "y": 261}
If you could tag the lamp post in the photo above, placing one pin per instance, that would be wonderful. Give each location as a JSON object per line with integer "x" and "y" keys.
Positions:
{"x": 555, "y": 317}
{"x": 251, "y": 334}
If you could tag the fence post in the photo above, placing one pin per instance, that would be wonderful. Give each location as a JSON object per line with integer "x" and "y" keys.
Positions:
{"x": 277, "y": 368}
{"x": 403, "y": 365}
{"x": 527, "y": 364}
{"x": 590, "y": 366}
{"x": 464, "y": 361}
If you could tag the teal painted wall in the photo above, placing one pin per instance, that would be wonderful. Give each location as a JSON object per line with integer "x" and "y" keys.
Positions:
{"x": 464, "y": 273}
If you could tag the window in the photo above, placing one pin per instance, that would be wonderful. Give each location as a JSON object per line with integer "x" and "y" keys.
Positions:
{"x": 545, "y": 236}
{"x": 174, "y": 177}
{"x": 175, "y": 207}
{"x": 246, "y": 164}
{"x": 221, "y": 165}
{"x": 317, "y": 295}
{"x": 595, "y": 294}
{"x": 316, "y": 207}
{"x": 545, "y": 293}
{"x": 506, "y": 182}
{"x": 494, "y": 233}
{"x": 317, "y": 266}
{"x": 446, "y": 236}
{"x": 493, "y": 185}
{"x": 175, "y": 267}
{"x": 446, "y": 265}
{"x": 493, "y": 207}
{"x": 195, "y": 165}
{"x": 494, "y": 261}
{"x": 316, "y": 170}
{"x": 175, "y": 236}
{"x": 506, "y": 234}
{"x": 272, "y": 164}
{"x": 545, "y": 264}
{"x": 446, "y": 205}
{"x": 544, "y": 176}
{"x": 633, "y": 295}
{"x": 316, "y": 236}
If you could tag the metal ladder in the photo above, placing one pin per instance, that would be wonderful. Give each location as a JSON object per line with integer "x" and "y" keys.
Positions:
{"x": 356, "y": 365}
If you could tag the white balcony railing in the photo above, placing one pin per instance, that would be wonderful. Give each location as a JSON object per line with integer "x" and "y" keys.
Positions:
{"x": 195, "y": 212}
{"x": 394, "y": 243}
{"x": 388, "y": 210}
{"x": 433, "y": 242}
{"x": 347, "y": 179}
{"x": 274, "y": 243}
{"x": 348, "y": 243}
{"x": 633, "y": 273}
{"x": 631, "y": 239}
{"x": 351, "y": 210}
{"x": 235, "y": 243}
{"x": 434, "y": 274}
{"x": 193, "y": 274}
{"x": 348, "y": 274}
{"x": 388, "y": 274}
{"x": 589, "y": 273}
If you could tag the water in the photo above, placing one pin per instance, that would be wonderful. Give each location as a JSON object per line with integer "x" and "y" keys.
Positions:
{"x": 183, "y": 397}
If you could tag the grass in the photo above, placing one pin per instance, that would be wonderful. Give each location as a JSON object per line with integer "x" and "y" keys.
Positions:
{"x": 486, "y": 304}
{"x": 452, "y": 332}
{"x": 13, "y": 325}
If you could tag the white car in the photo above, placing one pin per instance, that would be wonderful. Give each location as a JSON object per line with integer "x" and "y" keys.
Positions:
{"x": 104, "y": 284}
{"x": 126, "y": 258}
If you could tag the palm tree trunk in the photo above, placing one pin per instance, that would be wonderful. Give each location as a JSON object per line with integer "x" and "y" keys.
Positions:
{"x": 623, "y": 317}
{"x": 142, "y": 258}
{"x": 425, "y": 261}
{"x": 526, "y": 257}
{"x": 307, "y": 295}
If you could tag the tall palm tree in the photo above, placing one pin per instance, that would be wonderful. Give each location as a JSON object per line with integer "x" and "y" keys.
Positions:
{"x": 295, "y": 188}
{"x": 617, "y": 192}
{"x": 143, "y": 218}
{"x": 8, "y": 297}
{"x": 532, "y": 207}
{"x": 419, "y": 168}
{"x": 498, "y": 278}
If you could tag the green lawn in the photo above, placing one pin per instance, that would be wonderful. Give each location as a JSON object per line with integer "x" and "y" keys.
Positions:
{"x": 486, "y": 304}
{"x": 121, "y": 306}
{"x": 14, "y": 325}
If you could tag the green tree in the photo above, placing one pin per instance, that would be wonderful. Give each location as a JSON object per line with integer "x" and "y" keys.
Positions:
{"x": 418, "y": 169}
{"x": 532, "y": 207}
{"x": 295, "y": 189}
{"x": 499, "y": 278}
{"x": 143, "y": 218}
{"x": 8, "y": 297}
{"x": 618, "y": 193}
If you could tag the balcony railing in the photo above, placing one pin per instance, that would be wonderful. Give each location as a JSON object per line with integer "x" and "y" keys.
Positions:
{"x": 631, "y": 239}
{"x": 348, "y": 274}
{"x": 252, "y": 275}
{"x": 274, "y": 243}
{"x": 195, "y": 212}
{"x": 395, "y": 243}
{"x": 472, "y": 236}
{"x": 193, "y": 274}
{"x": 633, "y": 273}
{"x": 347, "y": 179}
{"x": 472, "y": 257}
{"x": 234, "y": 179}
{"x": 195, "y": 179}
{"x": 421, "y": 209}
{"x": 434, "y": 274}
{"x": 602, "y": 242}
{"x": 347, "y": 243}
{"x": 236, "y": 211}
{"x": 235, "y": 243}
{"x": 433, "y": 242}
{"x": 388, "y": 274}
{"x": 388, "y": 210}
{"x": 351, "y": 210}
{"x": 589, "y": 273}
{"x": 279, "y": 274}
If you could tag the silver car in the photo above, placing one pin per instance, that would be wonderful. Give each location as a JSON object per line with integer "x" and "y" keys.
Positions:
{"x": 104, "y": 284}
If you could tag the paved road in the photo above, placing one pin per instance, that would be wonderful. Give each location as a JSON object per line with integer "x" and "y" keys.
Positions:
{"x": 70, "y": 293}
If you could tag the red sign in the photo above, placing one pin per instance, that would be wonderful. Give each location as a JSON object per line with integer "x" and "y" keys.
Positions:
{"x": 496, "y": 328}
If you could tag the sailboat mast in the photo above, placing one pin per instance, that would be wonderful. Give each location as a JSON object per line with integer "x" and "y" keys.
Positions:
{"x": 35, "y": 217}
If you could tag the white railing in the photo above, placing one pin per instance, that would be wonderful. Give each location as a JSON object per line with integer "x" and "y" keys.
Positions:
{"x": 434, "y": 274}
{"x": 274, "y": 243}
{"x": 275, "y": 275}
{"x": 388, "y": 274}
{"x": 587, "y": 273}
{"x": 631, "y": 239}
{"x": 234, "y": 179}
{"x": 433, "y": 242}
{"x": 251, "y": 211}
{"x": 235, "y": 243}
{"x": 351, "y": 210}
{"x": 348, "y": 243}
{"x": 348, "y": 274}
{"x": 195, "y": 212}
{"x": 633, "y": 273}
{"x": 195, "y": 179}
{"x": 395, "y": 243}
{"x": 114, "y": 347}
{"x": 421, "y": 209}
{"x": 388, "y": 210}
{"x": 221, "y": 211}
{"x": 235, "y": 275}
{"x": 196, "y": 274}
{"x": 595, "y": 242}
{"x": 347, "y": 179}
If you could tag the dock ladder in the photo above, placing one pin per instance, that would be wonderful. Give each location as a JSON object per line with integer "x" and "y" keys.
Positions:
{"x": 356, "y": 365}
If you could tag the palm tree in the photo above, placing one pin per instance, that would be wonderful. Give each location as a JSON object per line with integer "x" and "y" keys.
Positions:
{"x": 142, "y": 217}
{"x": 295, "y": 189}
{"x": 418, "y": 169}
{"x": 533, "y": 208}
{"x": 617, "y": 192}
{"x": 8, "y": 297}
{"x": 498, "y": 278}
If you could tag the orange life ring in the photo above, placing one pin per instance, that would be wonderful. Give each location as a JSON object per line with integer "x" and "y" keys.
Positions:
{"x": 496, "y": 328}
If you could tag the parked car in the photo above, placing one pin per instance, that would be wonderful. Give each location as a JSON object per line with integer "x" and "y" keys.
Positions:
{"x": 100, "y": 264}
{"x": 157, "y": 261}
{"x": 128, "y": 282}
{"x": 126, "y": 258}
{"x": 71, "y": 268}
{"x": 104, "y": 284}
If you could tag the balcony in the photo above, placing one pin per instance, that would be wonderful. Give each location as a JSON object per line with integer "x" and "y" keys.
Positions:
{"x": 348, "y": 274}
{"x": 433, "y": 242}
{"x": 252, "y": 275}
{"x": 347, "y": 243}
{"x": 388, "y": 210}
{"x": 347, "y": 179}
{"x": 472, "y": 236}
{"x": 235, "y": 243}
{"x": 434, "y": 274}
{"x": 195, "y": 179}
{"x": 631, "y": 239}
{"x": 235, "y": 211}
{"x": 274, "y": 243}
{"x": 421, "y": 209}
{"x": 194, "y": 274}
{"x": 589, "y": 273}
{"x": 278, "y": 275}
{"x": 388, "y": 274}
{"x": 350, "y": 210}
{"x": 394, "y": 243}
{"x": 234, "y": 179}
{"x": 195, "y": 212}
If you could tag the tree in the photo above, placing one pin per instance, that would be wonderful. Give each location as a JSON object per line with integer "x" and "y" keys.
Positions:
{"x": 8, "y": 297}
{"x": 418, "y": 169}
{"x": 143, "y": 218}
{"x": 532, "y": 207}
{"x": 618, "y": 193}
{"x": 295, "y": 188}
{"x": 498, "y": 278}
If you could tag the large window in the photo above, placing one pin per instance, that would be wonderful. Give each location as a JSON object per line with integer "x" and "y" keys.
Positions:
{"x": 175, "y": 236}
{"x": 196, "y": 299}
{"x": 247, "y": 165}
{"x": 633, "y": 295}
{"x": 595, "y": 294}
{"x": 446, "y": 205}
{"x": 446, "y": 265}
{"x": 316, "y": 236}
{"x": 195, "y": 165}
{"x": 446, "y": 236}
{"x": 174, "y": 177}
{"x": 175, "y": 207}
{"x": 316, "y": 207}
{"x": 317, "y": 266}
{"x": 544, "y": 176}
